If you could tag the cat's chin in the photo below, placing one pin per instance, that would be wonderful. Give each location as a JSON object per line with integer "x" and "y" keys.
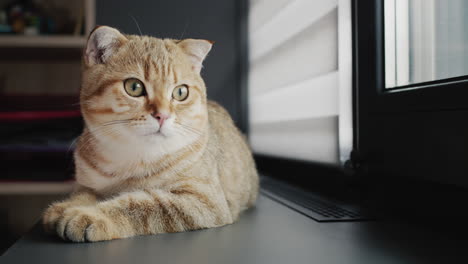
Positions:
{"x": 155, "y": 134}
{"x": 162, "y": 139}
{"x": 155, "y": 138}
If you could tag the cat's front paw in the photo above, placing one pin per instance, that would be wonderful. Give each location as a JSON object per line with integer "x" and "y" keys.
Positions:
{"x": 85, "y": 224}
{"x": 52, "y": 215}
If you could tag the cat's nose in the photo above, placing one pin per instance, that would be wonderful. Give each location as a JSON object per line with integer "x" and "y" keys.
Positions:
{"x": 160, "y": 117}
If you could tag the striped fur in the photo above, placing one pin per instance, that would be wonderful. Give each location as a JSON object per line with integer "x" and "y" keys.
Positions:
{"x": 196, "y": 172}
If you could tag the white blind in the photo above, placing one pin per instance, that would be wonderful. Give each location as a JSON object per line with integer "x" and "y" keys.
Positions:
{"x": 295, "y": 79}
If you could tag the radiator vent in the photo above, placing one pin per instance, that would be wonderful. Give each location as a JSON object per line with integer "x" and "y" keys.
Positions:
{"x": 312, "y": 205}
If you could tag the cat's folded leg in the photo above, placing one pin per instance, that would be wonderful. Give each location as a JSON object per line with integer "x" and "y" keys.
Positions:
{"x": 145, "y": 212}
{"x": 81, "y": 197}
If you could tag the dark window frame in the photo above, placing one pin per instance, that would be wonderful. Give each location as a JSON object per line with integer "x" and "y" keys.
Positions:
{"x": 369, "y": 25}
{"x": 394, "y": 128}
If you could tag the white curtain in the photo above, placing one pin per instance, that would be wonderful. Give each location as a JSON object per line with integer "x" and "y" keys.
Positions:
{"x": 300, "y": 79}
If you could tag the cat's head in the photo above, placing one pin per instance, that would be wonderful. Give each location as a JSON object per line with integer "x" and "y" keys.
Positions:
{"x": 145, "y": 90}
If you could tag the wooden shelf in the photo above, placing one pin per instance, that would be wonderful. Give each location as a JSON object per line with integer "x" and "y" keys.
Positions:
{"x": 20, "y": 188}
{"x": 42, "y": 41}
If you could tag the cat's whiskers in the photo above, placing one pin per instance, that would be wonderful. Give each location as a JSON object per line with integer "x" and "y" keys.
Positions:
{"x": 72, "y": 144}
{"x": 114, "y": 122}
{"x": 136, "y": 23}
{"x": 89, "y": 143}
{"x": 84, "y": 102}
{"x": 188, "y": 128}
{"x": 101, "y": 131}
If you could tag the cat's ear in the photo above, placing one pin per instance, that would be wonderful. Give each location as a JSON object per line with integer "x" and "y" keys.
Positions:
{"x": 196, "y": 49}
{"x": 102, "y": 43}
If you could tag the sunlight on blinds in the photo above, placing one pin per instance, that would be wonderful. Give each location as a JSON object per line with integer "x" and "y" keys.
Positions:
{"x": 294, "y": 79}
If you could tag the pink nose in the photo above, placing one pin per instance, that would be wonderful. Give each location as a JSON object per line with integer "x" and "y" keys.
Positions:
{"x": 160, "y": 117}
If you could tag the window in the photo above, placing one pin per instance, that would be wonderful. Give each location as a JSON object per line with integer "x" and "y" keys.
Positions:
{"x": 411, "y": 133}
{"x": 425, "y": 40}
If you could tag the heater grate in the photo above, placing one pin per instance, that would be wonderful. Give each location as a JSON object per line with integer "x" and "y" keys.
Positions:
{"x": 314, "y": 206}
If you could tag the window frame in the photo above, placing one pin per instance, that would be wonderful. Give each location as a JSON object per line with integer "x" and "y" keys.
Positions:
{"x": 378, "y": 110}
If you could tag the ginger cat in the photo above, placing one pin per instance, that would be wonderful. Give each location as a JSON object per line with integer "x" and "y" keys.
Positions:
{"x": 155, "y": 155}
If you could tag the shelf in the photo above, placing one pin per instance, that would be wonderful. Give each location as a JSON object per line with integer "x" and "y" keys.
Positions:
{"x": 38, "y": 115}
{"x": 42, "y": 41}
{"x": 20, "y": 188}
{"x": 38, "y": 102}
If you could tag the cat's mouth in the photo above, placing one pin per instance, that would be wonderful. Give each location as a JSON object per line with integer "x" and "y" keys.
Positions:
{"x": 155, "y": 133}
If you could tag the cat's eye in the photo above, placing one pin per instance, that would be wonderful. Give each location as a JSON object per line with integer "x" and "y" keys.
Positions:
{"x": 134, "y": 87}
{"x": 180, "y": 93}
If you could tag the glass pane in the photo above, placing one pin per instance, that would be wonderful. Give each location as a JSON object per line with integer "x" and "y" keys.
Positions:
{"x": 425, "y": 40}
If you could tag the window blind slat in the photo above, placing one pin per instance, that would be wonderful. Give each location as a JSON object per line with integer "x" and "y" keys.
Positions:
{"x": 293, "y": 19}
{"x": 313, "y": 52}
{"x": 311, "y": 139}
{"x": 316, "y": 97}
{"x": 263, "y": 11}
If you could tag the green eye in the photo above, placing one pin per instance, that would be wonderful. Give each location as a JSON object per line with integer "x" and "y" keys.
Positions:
{"x": 134, "y": 87}
{"x": 180, "y": 93}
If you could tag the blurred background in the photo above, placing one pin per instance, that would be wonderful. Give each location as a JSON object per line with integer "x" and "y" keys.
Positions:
{"x": 41, "y": 43}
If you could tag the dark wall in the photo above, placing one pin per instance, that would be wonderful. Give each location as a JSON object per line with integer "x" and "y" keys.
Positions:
{"x": 207, "y": 19}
